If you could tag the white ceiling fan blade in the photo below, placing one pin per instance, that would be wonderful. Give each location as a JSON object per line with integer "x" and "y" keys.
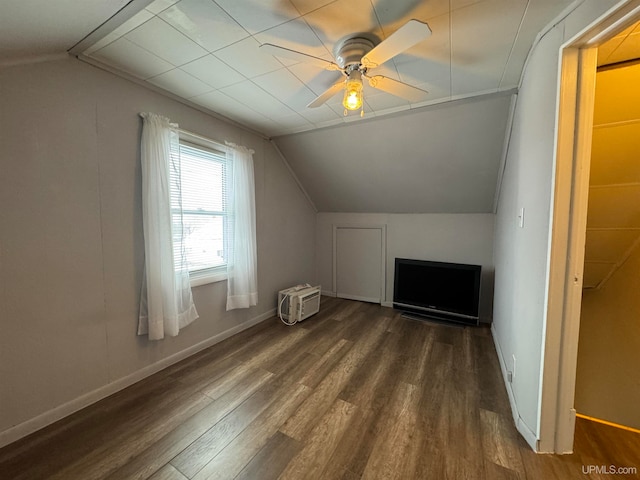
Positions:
{"x": 333, "y": 89}
{"x": 277, "y": 51}
{"x": 399, "y": 89}
{"x": 405, "y": 37}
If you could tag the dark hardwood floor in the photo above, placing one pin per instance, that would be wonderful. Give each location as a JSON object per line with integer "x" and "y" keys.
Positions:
{"x": 355, "y": 392}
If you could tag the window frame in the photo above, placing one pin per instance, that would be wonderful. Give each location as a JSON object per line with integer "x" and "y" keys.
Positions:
{"x": 218, "y": 273}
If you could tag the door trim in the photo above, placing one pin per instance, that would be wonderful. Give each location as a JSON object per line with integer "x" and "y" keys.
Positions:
{"x": 383, "y": 255}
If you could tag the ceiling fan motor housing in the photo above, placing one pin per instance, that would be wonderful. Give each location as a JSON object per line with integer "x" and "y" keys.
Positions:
{"x": 351, "y": 51}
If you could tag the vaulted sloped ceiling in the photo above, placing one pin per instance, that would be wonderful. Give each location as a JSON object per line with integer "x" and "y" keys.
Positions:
{"x": 441, "y": 154}
{"x": 442, "y": 159}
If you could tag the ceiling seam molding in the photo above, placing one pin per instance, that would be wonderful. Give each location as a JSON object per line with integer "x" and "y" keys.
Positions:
{"x": 125, "y": 13}
{"x": 513, "y": 44}
{"x": 27, "y": 60}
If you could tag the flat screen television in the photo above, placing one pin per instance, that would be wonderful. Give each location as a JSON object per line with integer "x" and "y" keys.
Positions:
{"x": 445, "y": 291}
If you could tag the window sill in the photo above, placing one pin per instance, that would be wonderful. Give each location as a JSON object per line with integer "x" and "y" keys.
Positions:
{"x": 205, "y": 277}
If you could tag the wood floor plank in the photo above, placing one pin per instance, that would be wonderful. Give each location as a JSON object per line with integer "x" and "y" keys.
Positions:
{"x": 162, "y": 451}
{"x": 416, "y": 341}
{"x": 76, "y": 435}
{"x": 391, "y": 452}
{"x": 272, "y": 459}
{"x": 356, "y": 391}
{"x": 193, "y": 458}
{"x": 242, "y": 373}
{"x": 326, "y": 363}
{"x": 116, "y": 451}
{"x": 371, "y": 393}
{"x": 323, "y": 396}
{"x": 166, "y": 473}
{"x": 237, "y": 454}
{"x": 321, "y": 443}
{"x": 499, "y": 442}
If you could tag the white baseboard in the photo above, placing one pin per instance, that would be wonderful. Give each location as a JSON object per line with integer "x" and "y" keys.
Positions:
{"x": 47, "y": 418}
{"x": 528, "y": 434}
{"x": 387, "y": 304}
{"x": 359, "y": 298}
{"x": 328, "y": 293}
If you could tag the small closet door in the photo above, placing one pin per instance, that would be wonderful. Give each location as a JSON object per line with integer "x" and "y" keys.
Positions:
{"x": 359, "y": 263}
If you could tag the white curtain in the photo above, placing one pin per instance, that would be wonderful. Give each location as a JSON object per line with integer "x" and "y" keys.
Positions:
{"x": 166, "y": 303}
{"x": 242, "y": 276}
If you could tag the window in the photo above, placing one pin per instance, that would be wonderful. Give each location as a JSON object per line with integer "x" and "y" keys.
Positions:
{"x": 203, "y": 176}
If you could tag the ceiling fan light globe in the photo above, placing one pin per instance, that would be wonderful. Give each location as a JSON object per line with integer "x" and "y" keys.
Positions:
{"x": 353, "y": 92}
{"x": 352, "y": 99}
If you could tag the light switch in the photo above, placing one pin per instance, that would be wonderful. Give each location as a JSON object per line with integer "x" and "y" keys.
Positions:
{"x": 521, "y": 218}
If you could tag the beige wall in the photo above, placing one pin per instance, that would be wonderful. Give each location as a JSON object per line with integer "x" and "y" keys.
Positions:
{"x": 607, "y": 381}
{"x": 521, "y": 254}
{"x": 457, "y": 238}
{"x": 71, "y": 246}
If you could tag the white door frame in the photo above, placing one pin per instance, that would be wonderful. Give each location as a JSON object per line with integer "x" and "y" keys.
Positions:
{"x": 383, "y": 254}
{"x": 568, "y": 229}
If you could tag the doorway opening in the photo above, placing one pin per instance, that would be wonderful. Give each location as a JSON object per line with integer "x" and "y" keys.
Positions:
{"x": 579, "y": 61}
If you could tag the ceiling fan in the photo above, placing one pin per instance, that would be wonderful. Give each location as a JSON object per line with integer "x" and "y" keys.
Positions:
{"x": 355, "y": 56}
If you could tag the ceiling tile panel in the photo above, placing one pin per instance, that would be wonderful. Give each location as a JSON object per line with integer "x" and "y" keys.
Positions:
{"x": 455, "y": 4}
{"x": 225, "y": 105}
{"x": 160, "y": 5}
{"x": 181, "y": 83}
{"x": 246, "y": 57}
{"x": 213, "y": 71}
{"x": 614, "y": 154}
{"x": 135, "y": 21}
{"x": 474, "y": 34}
{"x": 388, "y": 69}
{"x": 535, "y": 19}
{"x": 379, "y": 101}
{"x": 438, "y": 77}
{"x": 306, "y": 6}
{"x": 343, "y": 17}
{"x": 130, "y": 58}
{"x": 429, "y": 61}
{"x": 166, "y": 42}
{"x": 320, "y": 115}
{"x": 393, "y": 14}
{"x": 317, "y": 79}
{"x": 287, "y": 88}
{"x": 250, "y": 94}
{"x": 205, "y": 23}
{"x": 295, "y": 35}
{"x": 290, "y": 122}
{"x": 258, "y": 15}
